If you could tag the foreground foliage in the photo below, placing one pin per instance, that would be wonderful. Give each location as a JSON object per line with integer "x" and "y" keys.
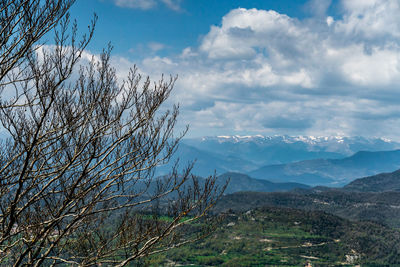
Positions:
{"x": 81, "y": 147}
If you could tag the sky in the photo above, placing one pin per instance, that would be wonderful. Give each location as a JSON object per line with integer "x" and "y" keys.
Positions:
{"x": 266, "y": 67}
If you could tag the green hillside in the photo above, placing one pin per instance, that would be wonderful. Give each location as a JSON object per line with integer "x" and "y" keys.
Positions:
{"x": 288, "y": 237}
{"x": 382, "y": 208}
{"x": 377, "y": 183}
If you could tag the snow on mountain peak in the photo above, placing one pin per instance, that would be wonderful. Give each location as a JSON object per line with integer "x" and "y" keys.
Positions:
{"x": 326, "y": 141}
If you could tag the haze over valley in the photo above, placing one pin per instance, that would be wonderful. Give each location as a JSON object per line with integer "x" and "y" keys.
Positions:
{"x": 329, "y": 161}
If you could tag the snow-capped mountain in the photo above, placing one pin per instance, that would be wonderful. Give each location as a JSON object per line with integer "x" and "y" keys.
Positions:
{"x": 311, "y": 140}
{"x": 313, "y": 146}
{"x": 332, "y": 160}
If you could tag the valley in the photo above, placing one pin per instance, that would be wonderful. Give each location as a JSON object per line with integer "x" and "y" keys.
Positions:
{"x": 272, "y": 236}
{"x": 343, "y": 210}
{"x": 327, "y": 161}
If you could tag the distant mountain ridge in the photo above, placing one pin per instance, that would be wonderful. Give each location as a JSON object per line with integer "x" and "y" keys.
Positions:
{"x": 206, "y": 162}
{"x": 334, "y": 144}
{"x": 260, "y": 157}
{"x": 267, "y": 150}
{"x": 241, "y": 182}
{"x": 382, "y": 182}
{"x": 331, "y": 172}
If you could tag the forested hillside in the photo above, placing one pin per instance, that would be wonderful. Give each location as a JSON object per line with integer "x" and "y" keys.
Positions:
{"x": 288, "y": 237}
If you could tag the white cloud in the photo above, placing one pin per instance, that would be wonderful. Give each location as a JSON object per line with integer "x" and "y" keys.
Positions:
{"x": 264, "y": 72}
{"x": 329, "y": 20}
{"x": 149, "y": 4}
{"x": 173, "y": 4}
{"x": 154, "y": 46}
{"x": 378, "y": 69}
{"x": 140, "y": 4}
{"x": 318, "y": 7}
{"x": 243, "y": 31}
{"x": 370, "y": 19}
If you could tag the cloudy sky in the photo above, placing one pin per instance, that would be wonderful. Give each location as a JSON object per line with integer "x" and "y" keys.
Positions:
{"x": 267, "y": 67}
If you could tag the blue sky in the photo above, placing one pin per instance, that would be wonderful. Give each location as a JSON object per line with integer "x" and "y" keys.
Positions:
{"x": 268, "y": 67}
{"x": 132, "y": 25}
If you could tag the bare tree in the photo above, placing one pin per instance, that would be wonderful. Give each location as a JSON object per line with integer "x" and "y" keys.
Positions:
{"x": 77, "y": 182}
{"x": 22, "y": 24}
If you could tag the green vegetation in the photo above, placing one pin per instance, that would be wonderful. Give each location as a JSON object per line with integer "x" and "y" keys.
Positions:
{"x": 378, "y": 183}
{"x": 382, "y": 207}
{"x": 276, "y": 236}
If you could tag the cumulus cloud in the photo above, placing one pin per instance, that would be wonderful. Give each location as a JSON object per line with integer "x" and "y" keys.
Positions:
{"x": 370, "y": 19}
{"x": 149, "y": 4}
{"x": 260, "y": 71}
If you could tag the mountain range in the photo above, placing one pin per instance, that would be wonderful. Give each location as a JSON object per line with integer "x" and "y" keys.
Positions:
{"x": 241, "y": 182}
{"x": 279, "y": 149}
{"x": 329, "y": 161}
{"x": 272, "y": 214}
{"x": 377, "y": 183}
{"x": 331, "y": 172}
